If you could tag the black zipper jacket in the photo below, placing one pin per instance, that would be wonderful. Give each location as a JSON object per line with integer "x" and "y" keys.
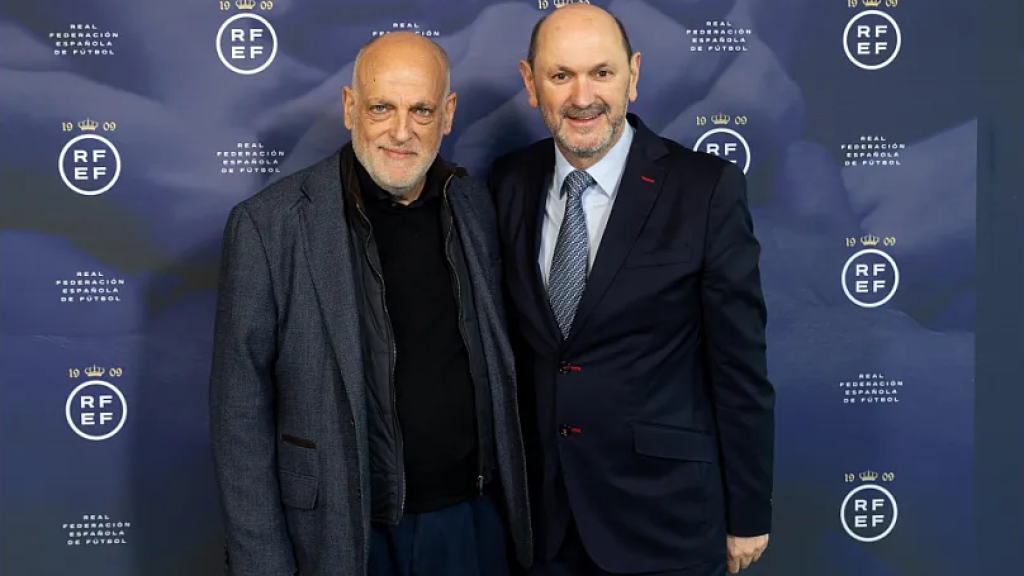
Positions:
{"x": 387, "y": 468}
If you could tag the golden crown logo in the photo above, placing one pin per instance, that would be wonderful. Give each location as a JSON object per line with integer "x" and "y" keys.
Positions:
{"x": 245, "y": 4}
{"x": 721, "y": 118}
{"x": 872, "y": 3}
{"x": 95, "y": 371}
{"x": 868, "y": 476}
{"x": 870, "y": 240}
{"x": 88, "y": 125}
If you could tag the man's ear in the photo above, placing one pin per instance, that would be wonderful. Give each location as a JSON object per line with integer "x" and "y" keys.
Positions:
{"x": 449, "y": 112}
{"x": 634, "y": 76}
{"x": 526, "y": 71}
{"x": 348, "y": 98}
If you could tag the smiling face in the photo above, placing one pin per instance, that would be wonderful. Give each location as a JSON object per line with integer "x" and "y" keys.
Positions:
{"x": 582, "y": 80}
{"x": 398, "y": 111}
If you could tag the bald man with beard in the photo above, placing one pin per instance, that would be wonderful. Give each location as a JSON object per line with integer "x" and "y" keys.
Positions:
{"x": 362, "y": 395}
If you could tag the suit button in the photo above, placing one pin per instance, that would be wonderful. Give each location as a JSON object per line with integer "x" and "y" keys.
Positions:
{"x": 565, "y": 430}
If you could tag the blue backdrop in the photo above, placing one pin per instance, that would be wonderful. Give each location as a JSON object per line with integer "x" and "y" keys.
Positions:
{"x": 130, "y": 129}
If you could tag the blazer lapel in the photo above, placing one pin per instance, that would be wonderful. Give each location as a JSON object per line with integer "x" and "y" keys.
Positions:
{"x": 535, "y": 198}
{"x": 330, "y": 257}
{"x": 641, "y": 183}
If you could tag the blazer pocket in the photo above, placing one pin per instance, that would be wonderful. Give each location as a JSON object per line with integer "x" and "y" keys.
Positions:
{"x": 296, "y": 441}
{"x": 298, "y": 490}
{"x": 662, "y": 257}
{"x": 660, "y": 441}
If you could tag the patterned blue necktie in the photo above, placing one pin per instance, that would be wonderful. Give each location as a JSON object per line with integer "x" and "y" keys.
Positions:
{"x": 568, "y": 274}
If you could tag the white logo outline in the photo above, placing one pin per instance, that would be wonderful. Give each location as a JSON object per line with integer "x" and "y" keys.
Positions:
{"x": 892, "y": 523}
{"x": 273, "y": 49}
{"x": 895, "y": 51}
{"x": 71, "y": 421}
{"x": 735, "y": 134}
{"x": 895, "y": 283}
{"x": 117, "y": 164}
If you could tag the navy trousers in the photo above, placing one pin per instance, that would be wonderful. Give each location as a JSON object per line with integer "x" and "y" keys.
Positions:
{"x": 467, "y": 539}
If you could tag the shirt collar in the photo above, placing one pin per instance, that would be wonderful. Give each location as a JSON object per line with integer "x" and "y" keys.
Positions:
{"x": 608, "y": 170}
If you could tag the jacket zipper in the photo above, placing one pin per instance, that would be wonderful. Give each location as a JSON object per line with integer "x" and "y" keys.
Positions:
{"x": 399, "y": 461}
{"x": 465, "y": 341}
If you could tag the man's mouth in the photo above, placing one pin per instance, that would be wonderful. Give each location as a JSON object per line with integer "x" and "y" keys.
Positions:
{"x": 583, "y": 119}
{"x": 397, "y": 153}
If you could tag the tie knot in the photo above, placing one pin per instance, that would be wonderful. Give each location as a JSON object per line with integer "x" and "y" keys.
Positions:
{"x": 576, "y": 182}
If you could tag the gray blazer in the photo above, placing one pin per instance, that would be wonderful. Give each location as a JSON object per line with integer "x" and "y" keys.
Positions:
{"x": 287, "y": 398}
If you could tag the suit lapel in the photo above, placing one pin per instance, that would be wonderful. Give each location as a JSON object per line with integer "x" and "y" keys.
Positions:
{"x": 330, "y": 258}
{"x": 641, "y": 183}
{"x": 537, "y": 184}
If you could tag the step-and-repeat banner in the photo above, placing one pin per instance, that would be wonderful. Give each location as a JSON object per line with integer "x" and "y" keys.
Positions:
{"x": 129, "y": 129}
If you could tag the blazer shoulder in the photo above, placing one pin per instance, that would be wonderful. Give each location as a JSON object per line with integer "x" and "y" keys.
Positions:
{"x": 685, "y": 158}
{"x": 474, "y": 189}
{"x": 510, "y": 171}
{"x": 515, "y": 160}
{"x": 279, "y": 197}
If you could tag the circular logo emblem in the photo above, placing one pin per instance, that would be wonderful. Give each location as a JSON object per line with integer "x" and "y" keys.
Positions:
{"x": 869, "y": 513}
{"x": 96, "y": 410}
{"x": 246, "y": 44}
{"x": 870, "y": 278}
{"x": 726, "y": 143}
{"x": 89, "y": 164}
{"x": 872, "y": 40}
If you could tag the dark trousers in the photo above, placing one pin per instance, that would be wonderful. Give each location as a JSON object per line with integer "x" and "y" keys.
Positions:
{"x": 467, "y": 539}
{"x": 572, "y": 560}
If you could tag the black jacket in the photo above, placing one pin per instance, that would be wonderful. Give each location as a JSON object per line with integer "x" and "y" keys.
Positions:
{"x": 387, "y": 475}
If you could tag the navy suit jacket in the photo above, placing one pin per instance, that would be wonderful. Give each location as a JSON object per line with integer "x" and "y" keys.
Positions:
{"x": 657, "y": 408}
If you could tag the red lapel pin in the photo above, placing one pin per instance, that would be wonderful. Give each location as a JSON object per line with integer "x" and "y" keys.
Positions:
{"x": 646, "y": 179}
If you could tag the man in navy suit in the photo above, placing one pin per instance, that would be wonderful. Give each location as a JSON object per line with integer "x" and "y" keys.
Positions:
{"x": 636, "y": 308}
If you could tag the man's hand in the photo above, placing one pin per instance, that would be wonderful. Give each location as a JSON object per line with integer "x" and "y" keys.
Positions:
{"x": 745, "y": 551}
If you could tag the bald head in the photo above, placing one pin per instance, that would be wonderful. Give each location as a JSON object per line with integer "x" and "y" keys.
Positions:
{"x": 395, "y": 48}
{"x": 578, "y": 16}
{"x": 582, "y": 74}
{"x": 399, "y": 108}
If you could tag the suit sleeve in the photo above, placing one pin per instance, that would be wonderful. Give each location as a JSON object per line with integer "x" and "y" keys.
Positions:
{"x": 242, "y": 406}
{"x": 735, "y": 319}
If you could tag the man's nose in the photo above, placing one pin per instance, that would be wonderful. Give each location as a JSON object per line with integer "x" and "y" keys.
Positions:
{"x": 401, "y": 131}
{"x": 582, "y": 92}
